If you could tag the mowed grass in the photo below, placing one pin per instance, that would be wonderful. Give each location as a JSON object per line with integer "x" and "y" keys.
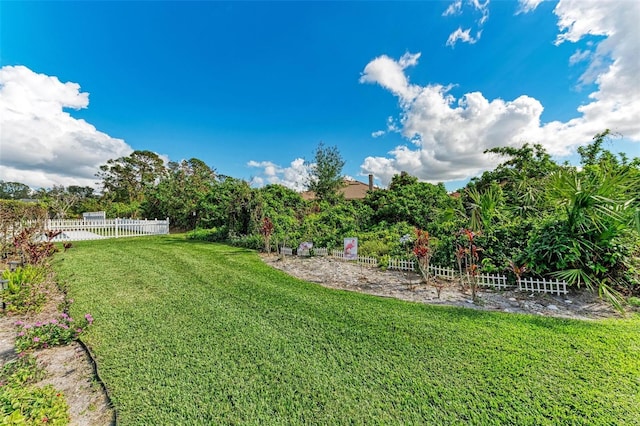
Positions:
{"x": 198, "y": 333}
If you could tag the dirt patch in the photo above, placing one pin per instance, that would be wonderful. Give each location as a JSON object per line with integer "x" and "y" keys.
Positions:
{"x": 334, "y": 273}
{"x": 69, "y": 368}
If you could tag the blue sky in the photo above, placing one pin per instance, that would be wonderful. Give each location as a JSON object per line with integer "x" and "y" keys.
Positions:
{"x": 251, "y": 88}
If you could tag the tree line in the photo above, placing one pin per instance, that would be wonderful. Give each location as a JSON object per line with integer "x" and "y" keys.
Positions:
{"x": 528, "y": 215}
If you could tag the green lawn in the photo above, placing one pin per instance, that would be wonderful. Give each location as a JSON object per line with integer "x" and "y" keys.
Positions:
{"x": 197, "y": 333}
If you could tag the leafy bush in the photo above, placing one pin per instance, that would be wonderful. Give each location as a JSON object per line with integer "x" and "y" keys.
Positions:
{"x": 22, "y": 371}
{"x": 33, "y": 405}
{"x": 23, "y": 403}
{"x": 634, "y": 301}
{"x": 218, "y": 234}
{"x": 32, "y": 248}
{"x": 52, "y": 333}
{"x": 26, "y": 290}
{"x": 253, "y": 242}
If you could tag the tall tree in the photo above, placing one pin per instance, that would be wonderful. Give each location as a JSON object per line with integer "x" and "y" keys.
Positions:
{"x": 14, "y": 190}
{"x": 125, "y": 179}
{"x": 62, "y": 201}
{"x": 325, "y": 177}
{"x": 179, "y": 193}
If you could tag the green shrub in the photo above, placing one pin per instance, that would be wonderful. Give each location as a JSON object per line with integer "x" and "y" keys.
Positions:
{"x": 52, "y": 333}
{"x": 26, "y": 290}
{"x": 21, "y": 371}
{"x": 374, "y": 248}
{"x": 33, "y": 405}
{"x": 22, "y": 403}
{"x": 218, "y": 234}
{"x": 253, "y": 242}
{"x": 634, "y": 301}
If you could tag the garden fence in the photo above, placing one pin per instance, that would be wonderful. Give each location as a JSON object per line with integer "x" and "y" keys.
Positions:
{"x": 320, "y": 251}
{"x": 495, "y": 281}
{"x": 337, "y": 253}
{"x": 362, "y": 260}
{"x": 447, "y": 273}
{"x": 542, "y": 286}
{"x": 402, "y": 264}
{"x": 368, "y": 261}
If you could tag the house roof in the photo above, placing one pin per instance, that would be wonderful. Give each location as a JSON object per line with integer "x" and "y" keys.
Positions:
{"x": 352, "y": 190}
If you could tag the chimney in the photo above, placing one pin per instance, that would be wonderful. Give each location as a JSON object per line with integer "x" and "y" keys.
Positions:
{"x": 370, "y": 182}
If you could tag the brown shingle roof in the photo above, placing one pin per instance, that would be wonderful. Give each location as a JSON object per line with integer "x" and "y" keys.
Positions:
{"x": 352, "y": 190}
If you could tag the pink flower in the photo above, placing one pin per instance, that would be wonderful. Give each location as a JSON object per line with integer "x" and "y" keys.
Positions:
{"x": 36, "y": 339}
{"x": 21, "y": 334}
{"x": 38, "y": 324}
{"x": 53, "y": 321}
{"x": 89, "y": 318}
{"x": 65, "y": 326}
{"x": 79, "y": 330}
{"x": 19, "y": 323}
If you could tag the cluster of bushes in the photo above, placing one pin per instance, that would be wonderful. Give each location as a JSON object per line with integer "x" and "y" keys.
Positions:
{"x": 23, "y": 402}
{"x": 27, "y": 289}
{"x": 530, "y": 214}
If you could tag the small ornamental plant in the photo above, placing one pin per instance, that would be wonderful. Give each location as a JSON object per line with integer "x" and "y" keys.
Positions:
{"x": 470, "y": 254}
{"x": 51, "y": 333}
{"x": 267, "y": 230}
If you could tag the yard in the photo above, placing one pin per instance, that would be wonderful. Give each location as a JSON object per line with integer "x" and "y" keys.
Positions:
{"x": 189, "y": 332}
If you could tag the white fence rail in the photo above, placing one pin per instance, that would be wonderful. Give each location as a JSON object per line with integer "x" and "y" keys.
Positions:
{"x": 402, "y": 264}
{"x": 362, "y": 260}
{"x": 80, "y": 230}
{"x": 337, "y": 253}
{"x": 320, "y": 251}
{"x": 494, "y": 281}
{"x": 368, "y": 261}
{"x": 542, "y": 286}
{"x": 447, "y": 273}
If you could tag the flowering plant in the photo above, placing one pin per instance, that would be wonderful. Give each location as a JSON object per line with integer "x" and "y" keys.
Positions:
{"x": 51, "y": 333}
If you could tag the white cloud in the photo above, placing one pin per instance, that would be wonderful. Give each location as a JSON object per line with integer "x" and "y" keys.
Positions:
{"x": 579, "y": 56}
{"x": 295, "y": 176}
{"x": 447, "y": 136}
{"x": 41, "y": 144}
{"x": 378, "y": 133}
{"x": 465, "y": 36}
{"x": 454, "y": 8}
{"x": 527, "y": 6}
{"x": 483, "y": 8}
{"x": 390, "y": 75}
{"x": 462, "y": 35}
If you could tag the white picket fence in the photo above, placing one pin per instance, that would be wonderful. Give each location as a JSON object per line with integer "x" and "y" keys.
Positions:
{"x": 337, "y": 253}
{"x": 542, "y": 286}
{"x": 368, "y": 261}
{"x": 447, "y": 273}
{"x": 494, "y": 281}
{"x": 320, "y": 251}
{"x": 362, "y": 260}
{"x": 402, "y": 264}
{"x": 80, "y": 230}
